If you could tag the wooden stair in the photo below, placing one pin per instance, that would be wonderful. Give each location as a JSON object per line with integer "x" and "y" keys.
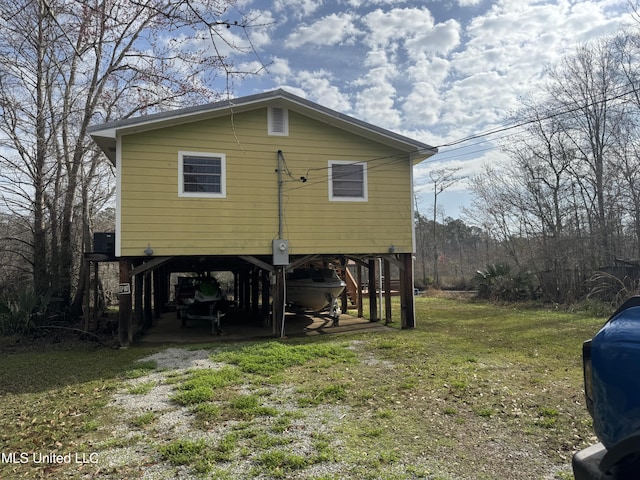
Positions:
{"x": 352, "y": 287}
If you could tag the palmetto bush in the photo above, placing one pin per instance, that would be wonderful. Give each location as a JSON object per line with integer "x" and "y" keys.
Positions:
{"x": 21, "y": 312}
{"x": 497, "y": 282}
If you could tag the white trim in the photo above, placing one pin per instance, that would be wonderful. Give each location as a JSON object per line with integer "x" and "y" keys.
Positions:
{"x": 413, "y": 209}
{"x": 223, "y": 175}
{"x": 365, "y": 185}
{"x": 104, "y": 135}
{"x": 118, "y": 249}
{"x": 284, "y": 131}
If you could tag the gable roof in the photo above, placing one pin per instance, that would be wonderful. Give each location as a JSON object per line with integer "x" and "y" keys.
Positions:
{"x": 105, "y": 134}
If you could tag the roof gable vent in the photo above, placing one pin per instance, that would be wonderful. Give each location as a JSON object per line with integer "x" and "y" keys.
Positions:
{"x": 278, "y": 121}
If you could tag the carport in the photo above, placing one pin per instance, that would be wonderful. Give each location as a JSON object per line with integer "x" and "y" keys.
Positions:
{"x": 147, "y": 311}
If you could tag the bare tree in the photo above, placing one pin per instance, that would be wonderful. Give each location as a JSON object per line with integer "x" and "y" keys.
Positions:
{"x": 65, "y": 64}
{"x": 626, "y": 47}
{"x": 586, "y": 87}
{"x": 571, "y": 180}
{"x": 442, "y": 178}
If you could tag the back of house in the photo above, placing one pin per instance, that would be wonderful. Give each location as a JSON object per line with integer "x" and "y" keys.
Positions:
{"x": 229, "y": 178}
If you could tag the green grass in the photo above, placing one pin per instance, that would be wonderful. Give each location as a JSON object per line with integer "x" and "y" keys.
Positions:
{"x": 207, "y": 412}
{"x": 142, "y": 388}
{"x": 54, "y": 396}
{"x": 279, "y": 464}
{"x": 202, "y": 384}
{"x": 271, "y": 357}
{"x": 332, "y": 393}
{"x": 143, "y": 420}
{"x": 249, "y": 406}
{"x": 437, "y": 402}
{"x": 194, "y": 453}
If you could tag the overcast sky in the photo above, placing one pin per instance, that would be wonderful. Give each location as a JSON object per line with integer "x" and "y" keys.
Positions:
{"x": 436, "y": 71}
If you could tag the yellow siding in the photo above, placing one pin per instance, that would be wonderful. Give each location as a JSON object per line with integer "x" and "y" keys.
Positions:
{"x": 246, "y": 221}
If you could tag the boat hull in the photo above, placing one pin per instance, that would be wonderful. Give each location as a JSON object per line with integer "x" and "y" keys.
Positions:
{"x": 314, "y": 290}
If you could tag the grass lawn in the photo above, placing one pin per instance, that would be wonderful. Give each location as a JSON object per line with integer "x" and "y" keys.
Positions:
{"x": 476, "y": 391}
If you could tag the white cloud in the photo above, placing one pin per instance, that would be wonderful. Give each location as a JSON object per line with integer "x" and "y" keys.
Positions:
{"x": 300, "y": 8}
{"x": 253, "y": 67}
{"x": 436, "y": 71}
{"x": 323, "y": 92}
{"x": 333, "y": 29}
{"x": 262, "y": 33}
{"x": 396, "y": 24}
{"x": 505, "y": 52}
{"x": 589, "y": 20}
{"x": 423, "y": 104}
{"x": 279, "y": 69}
{"x": 375, "y": 104}
{"x": 359, "y": 3}
{"x": 300, "y": 92}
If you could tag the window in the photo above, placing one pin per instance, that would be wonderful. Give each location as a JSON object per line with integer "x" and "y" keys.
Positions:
{"x": 278, "y": 121}
{"x": 201, "y": 174}
{"x": 347, "y": 181}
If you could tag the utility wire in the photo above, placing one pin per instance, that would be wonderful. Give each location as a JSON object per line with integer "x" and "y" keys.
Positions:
{"x": 539, "y": 119}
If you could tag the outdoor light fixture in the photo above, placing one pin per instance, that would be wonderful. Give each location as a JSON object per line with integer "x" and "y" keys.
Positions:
{"x": 392, "y": 248}
{"x": 148, "y": 251}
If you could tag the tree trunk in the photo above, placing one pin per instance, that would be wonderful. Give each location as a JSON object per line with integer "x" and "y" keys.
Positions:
{"x": 40, "y": 270}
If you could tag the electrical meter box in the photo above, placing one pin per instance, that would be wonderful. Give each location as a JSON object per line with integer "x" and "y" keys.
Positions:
{"x": 281, "y": 252}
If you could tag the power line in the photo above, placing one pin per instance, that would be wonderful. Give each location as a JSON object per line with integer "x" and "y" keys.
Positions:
{"x": 540, "y": 119}
{"x": 390, "y": 160}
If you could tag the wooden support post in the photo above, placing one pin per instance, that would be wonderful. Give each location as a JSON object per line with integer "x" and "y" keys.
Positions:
{"x": 359, "y": 289}
{"x": 158, "y": 292}
{"x": 387, "y": 292}
{"x": 148, "y": 311}
{"x": 246, "y": 290}
{"x": 373, "y": 302}
{"x": 240, "y": 297}
{"x": 96, "y": 284}
{"x": 407, "y": 300}
{"x": 278, "y": 302}
{"x": 265, "y": 294}
{"x": 344, "y": 297}
{"x": 255, "y": 290}
{"x": 86, "y": 300}
{"x": 138, "y": 291}
{"x": 124, "y": 316}
{"x": 236, "y": 289}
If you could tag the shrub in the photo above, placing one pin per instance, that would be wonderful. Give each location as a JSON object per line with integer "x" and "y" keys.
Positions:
{"x": 608, "y": 288}
{"x": 21, "y": 312}
{"x": 497, "y": 282}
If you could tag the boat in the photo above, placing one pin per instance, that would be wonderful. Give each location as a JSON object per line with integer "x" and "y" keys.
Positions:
{"x": 315, "y": 289}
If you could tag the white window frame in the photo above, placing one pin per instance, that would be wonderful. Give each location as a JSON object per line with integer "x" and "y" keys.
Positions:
{"x": 285, "y": 122}
{"x": 223, "y": 175}
{"x": 365, "y": 188}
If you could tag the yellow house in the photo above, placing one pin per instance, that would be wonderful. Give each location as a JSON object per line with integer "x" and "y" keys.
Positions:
{"x": 269, "y": 180}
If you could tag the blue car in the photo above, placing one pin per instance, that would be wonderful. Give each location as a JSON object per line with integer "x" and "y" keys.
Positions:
{"x": 611, "y": 361}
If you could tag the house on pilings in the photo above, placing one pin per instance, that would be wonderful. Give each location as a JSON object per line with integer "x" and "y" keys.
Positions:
{"x": 256, "y": 186}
